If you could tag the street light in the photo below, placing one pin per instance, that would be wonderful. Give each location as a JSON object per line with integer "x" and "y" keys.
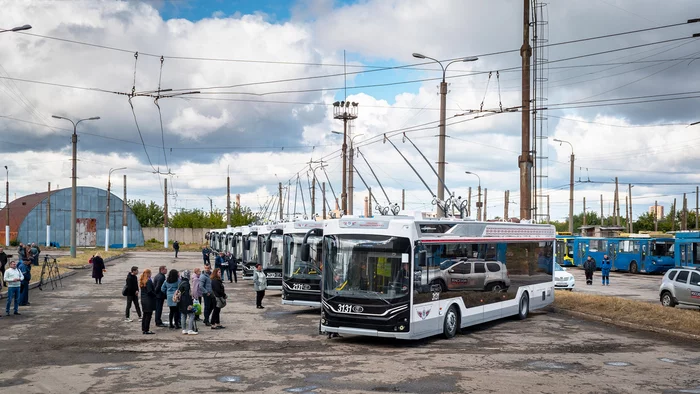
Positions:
{"x": 74, "y": 191}
{"x": 109, "y": 195}
{"x": 441, "y": 139}
{"x": 7, "y": 207}
{"x": 478, "y": 204}
{"x": 18, "y": 28}
{"x": 571, "y": 186}
{"x": 342, "y": 110}
{"x": 351, "y": 170}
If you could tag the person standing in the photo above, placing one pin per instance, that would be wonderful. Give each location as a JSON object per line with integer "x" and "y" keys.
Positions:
{"x": 132, "y": 293}
{"x": 98, "y": 268}
{"x": 589, "y": 266}
{"x": 605, "y": 267}
{"x": 205, "y": 287}
{"x": 148, "y": 300}
{"x": 205, "y": 255}
{"x": 26, "y": 269}
{"x": 169, "y": 287}
{"x": 217, "y": 286}
{"x": 176, "y": 247}
{"x": 196, "y": 287}
{"x": 160, "y": 295}
{"x": 186, "y": 304}
{"x": 34, "y": 254}
{"x": 13, "y": 277}
{"x": 259, "y": 285}
{"x": 232, "y": 276}
{"x": 219, "y": 260}
{"x": 21, "y": 253}
{"x": 3, "y": 264}
{"x": 224, "y": 267}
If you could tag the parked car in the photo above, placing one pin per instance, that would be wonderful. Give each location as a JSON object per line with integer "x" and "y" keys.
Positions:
{"x": 563, "y": 279}
{"x": 477, "y": 275}
{"x": 680, "y": 286}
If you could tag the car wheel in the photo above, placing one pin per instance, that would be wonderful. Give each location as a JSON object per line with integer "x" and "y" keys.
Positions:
{"x": 523, "y": 307}
{"x": 443, "y": 286}
{"x": 495, "y": 287}
{"x": 667, "y": 299}
{"x": 451, "y": 323}
{"x": 570, "y": 289}
{"x": 633, "y": 268}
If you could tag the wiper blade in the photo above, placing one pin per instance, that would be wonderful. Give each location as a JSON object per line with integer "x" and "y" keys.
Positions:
{"x": 377, "y": 295}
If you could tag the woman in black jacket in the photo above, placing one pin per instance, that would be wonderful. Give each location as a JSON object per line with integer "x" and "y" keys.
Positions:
{"x": 148, "y": 300}
{"x": 98, "y": 268}
{"x": 185, "y": 304}
{"x": 217, "y": 287}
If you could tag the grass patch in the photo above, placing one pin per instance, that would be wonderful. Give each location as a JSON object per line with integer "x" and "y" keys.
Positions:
{"x": 67, "y": 263}
{"x": 632, "y": 312}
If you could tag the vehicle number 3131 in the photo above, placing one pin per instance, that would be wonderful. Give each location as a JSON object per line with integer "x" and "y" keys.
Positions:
{"x": 345, "y": 308}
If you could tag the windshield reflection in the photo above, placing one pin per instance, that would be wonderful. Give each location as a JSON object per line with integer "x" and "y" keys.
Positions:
{"x": 294, "y": 267}
{"x": 274, "y": 258}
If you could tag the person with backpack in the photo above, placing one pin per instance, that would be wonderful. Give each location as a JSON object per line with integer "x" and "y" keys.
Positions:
{"x": 185, "y": 304}
{"x": 176, "y": 247}
{"x": 589, "y": 267}
{"x": 605, "y": 267}
{"x": 169, "y": 288}
{"x": 131, "y": 291}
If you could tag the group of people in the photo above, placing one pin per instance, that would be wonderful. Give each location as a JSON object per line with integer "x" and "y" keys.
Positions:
{"x": 29, "y": 252}
{"x": 183, "y": 292}
{"x": 224, "y": 261}
{"x": 590, "y": 266}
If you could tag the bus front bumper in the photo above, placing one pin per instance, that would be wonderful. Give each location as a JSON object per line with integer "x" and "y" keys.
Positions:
{"x": 313, "y": 304}
{"x": 365, "y": 332}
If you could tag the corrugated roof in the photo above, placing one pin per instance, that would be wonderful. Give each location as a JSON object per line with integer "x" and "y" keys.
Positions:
{"x": 19, "y": 209}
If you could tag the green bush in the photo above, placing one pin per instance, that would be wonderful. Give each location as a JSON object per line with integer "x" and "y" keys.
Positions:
{"x": 14, "y": 242}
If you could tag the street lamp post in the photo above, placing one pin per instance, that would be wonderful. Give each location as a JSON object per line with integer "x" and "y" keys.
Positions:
{"x": 74, "y": 191}
{"x": 441, "y": 140}
{"x": 571, "y": 187}
{"x": 344, "y": 111}
{"x": 478, "y": 204}
{"x": 351, "y": 171}
{"x": 109, "y": 195}
{"x": 7, "y": 207}
{"x": 18, "y": 28}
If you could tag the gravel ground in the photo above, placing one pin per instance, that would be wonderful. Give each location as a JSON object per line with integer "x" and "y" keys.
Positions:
{"x": 74, "y": 340}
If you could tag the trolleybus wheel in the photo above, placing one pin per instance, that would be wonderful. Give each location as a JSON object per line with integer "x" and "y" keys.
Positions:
{"x": 523, "y": 307}
{"x": 633, "y": 268}
{"x": 451, "y": 323}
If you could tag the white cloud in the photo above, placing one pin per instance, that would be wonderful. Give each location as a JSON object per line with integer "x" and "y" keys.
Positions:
{"x": 190, "y": 124}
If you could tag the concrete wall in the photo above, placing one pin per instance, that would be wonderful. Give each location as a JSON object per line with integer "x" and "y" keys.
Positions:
{"x": 182, "y": 235}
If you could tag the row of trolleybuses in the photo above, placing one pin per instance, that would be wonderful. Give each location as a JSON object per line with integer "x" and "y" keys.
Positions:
{"x": 401, "y": 276}
{"x": 635, "y": 253}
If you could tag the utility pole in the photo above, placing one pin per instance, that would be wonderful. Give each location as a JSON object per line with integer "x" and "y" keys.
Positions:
{"x": 601, "y": 209}
{"x": 281, "y": 205}
{"x": 403, "y": 199}
{"x": 366, "y": 207}
{"x": 631, "y": 222}
{"x": 165, "y": 214}
{"x": 211, "y": 207}
{"x": 345, "y": 111}
{"x": 125, "y": 227}
{"x": 584, "y": 213}
{"x": 228, "y": 202}
{"x": 323, "y": 197}
{"x": 313, "y": 197}
{"x": 7, "y": 208}
{"x": 571, "y": 186}
{"x": 697, "y": 207}
{"x": 656, "y": 215}
{"x": 673, "y": 216}
{"x": 505, "y": 206}
{"x": 485, "y": 193}
{"x": 48, "y": 218}
{"x": 525, "y": 159}
{"x": 627, "y": 212}
{"x": 369, "y": 189}
{"x": 684, "y": 223}
{"x": 549, "y": 218}
{"x": 351, "y": 189}
{"x": 469, "y": 202}
{"x": 617, "y": 201}
{"x": 478, "y": 204}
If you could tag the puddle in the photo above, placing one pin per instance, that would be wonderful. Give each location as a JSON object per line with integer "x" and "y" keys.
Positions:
{"x": 547, "y": 365}
{"x": 229, "y": 379}
{"x": 618, "y": 364}
{"x": 118, "y": 368}
{"x": 304, "y": 389}
{"x": 667, "y": 360}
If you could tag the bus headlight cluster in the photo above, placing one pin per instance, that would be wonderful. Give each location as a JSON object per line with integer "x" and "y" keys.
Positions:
{"x": 402, "y": 326}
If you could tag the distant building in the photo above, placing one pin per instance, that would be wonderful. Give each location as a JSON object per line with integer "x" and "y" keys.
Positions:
{"x": 659, "y": 211}
{"x": 601, "y": 231}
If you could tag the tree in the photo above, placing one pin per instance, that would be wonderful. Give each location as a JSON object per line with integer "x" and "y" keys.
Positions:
{"x": 148, "y": 215}
{"x": 645, "y": 222}
{"x": 197, "y": 218}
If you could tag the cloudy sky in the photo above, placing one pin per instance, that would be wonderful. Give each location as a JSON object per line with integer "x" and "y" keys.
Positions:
{"x": 268, "y": 72}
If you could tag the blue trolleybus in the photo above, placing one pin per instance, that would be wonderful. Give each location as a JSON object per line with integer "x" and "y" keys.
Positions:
{"x": 632, "y": 254}
{"x": 687, "y": 249}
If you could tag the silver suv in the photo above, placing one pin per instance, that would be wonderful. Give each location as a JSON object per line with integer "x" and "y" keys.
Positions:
{"x": 470, "y": 274}
{"x": 680, "y": 286}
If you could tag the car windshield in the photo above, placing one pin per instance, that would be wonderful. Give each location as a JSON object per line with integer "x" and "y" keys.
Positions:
{"x": 367, "y": 266}
{"x": 274, "y": 258}
{"x": 293, "y": 266}
{"x": 447, "y": 264}
{"x": 558, "y": 267}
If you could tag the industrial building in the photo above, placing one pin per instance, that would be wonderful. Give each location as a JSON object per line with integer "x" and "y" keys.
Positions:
{"x": 28, "y": 219}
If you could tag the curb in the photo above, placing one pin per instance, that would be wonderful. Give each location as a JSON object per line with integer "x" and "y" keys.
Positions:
{"x": 658, "y": 330}
{"x": 34, "y": 285}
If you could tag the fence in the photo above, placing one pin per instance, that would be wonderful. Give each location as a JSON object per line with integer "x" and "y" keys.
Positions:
{"x": 182, "y": 235}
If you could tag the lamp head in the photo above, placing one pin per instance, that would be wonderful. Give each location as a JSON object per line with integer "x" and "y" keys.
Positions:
{"x": 418, "y": 55}
{"x": 470, "y": 59}
{"x": 94, "y": 118}
{"x": 23, "y": 27}
{"x": 57, "y": 117}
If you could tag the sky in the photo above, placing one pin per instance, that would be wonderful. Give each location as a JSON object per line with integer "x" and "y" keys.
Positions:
{"x": 249, "y": 88}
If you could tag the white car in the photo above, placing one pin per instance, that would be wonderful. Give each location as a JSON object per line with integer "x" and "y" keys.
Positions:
{"x": 563, "y": 279}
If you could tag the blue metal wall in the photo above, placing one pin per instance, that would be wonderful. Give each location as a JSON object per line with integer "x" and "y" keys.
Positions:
{"x": 92, "y": 203}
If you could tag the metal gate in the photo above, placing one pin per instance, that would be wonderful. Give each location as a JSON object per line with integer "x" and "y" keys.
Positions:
{"x": 87, "y": 232}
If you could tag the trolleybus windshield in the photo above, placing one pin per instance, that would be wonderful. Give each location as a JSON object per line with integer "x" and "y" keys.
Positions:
{"x": 293, "y": 266}
{"x": 274, "y": 258}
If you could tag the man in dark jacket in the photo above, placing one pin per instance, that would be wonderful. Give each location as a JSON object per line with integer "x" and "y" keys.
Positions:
{"x": 3, "y": 263}
{"x": 205, "y": 255}
{"x": 589, "y": 266}
{"x": 176, "y": 247}
{"x": 207, "y": 293}
{"x": 160, "y": 296}
{"x": 34, "y": 254}
{"x": 219, "y": 261}
{"x": 21, "y": 252}
{"x": 132, "y": 292}
{"x": 26, "y": 269}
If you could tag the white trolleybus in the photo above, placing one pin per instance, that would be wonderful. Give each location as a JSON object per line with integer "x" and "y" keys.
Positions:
{"x": 301, "y": 270}
{"x": 249, "y": 252}
{"x": 407, "y": 277}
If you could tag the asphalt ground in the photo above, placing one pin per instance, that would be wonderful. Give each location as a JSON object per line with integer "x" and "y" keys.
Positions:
{"x": 74, "y": 340}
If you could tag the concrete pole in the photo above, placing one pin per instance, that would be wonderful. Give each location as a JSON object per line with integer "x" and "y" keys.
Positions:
{"x": 617, "y": 200}
{"x": 673, "y": 216}
{"x": 125, "y": 226}
{"x": 343, "y": 193}
{"x": 571, "y": 195}
{"x": 109, "y": 193}
{"x": 370, "y": 202}
{"x": 478, "y": 205}
{"x": 469, "y": 202}
{"x": 323, "y": 197}
{"x": 656, "y": 215}
{"x": 505, "y": 206}
{"x": 165, "y": 213}
{"x": 441, "y": 147}
{"x": 525, "y": 159}
{"x": 74, "y": 192}
{"x": 7, "y": 209}
{"x": 631, "y": 220}
{"x": 366, "y": 207}
{"x": 684, "y": 223}
{"x": 485, "y": 194}
{"x": 403, "y": 199}
{"x": 228, "y": 203}
{"x": 351, "y": 189}
{"x": 584, "y": 213}
{"x": 280, "y": 202}
{"x": 601, "y": 209}
{"x": 549, "y": 218}
{"x": 48, "y": 218}
{"x": 313, "y": 197}
{"x": 697, "y": 207}
{"x": 627, "y": 212}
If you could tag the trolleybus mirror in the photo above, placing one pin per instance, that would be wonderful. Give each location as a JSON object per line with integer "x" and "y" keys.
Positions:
{"x": 268, "y": 245}
{"x": 422, "y": 258}
{"x": 305, "y": 252}
{"x": 246, "y": 244}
